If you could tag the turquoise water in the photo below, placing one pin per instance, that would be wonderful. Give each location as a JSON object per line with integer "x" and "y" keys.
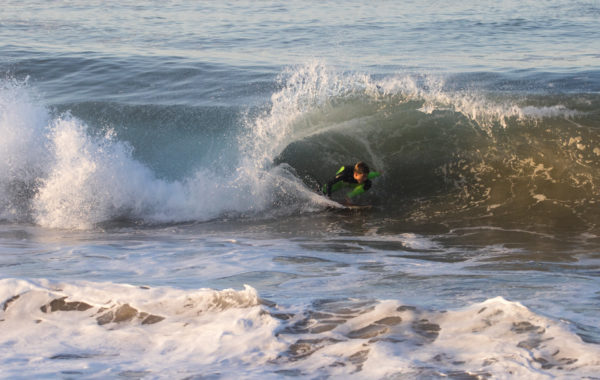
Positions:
{"x": 157, "y": 208}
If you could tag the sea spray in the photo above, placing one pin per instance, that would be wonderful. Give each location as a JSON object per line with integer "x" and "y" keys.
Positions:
{"x": 60, "y": 173}
{"x": 23, "y": 150}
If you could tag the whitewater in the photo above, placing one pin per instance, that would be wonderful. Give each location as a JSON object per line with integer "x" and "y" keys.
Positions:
{"x": 159, "y": 206}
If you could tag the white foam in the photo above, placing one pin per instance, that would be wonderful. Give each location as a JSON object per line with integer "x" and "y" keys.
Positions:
{"x": 471, "y": 103}
{"x": 495, "y": 338}
{"x": 514, "y": 340}
{"x": 306, "y": 90}
{"x": 105, "y": 329}
{"x": 199, "y": 331}
{"x": 23, "y": 153}
{"x": 58, "y": 173}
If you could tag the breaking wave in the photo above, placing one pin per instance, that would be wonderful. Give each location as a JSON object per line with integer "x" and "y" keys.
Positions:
{"x": 450, "y": 150}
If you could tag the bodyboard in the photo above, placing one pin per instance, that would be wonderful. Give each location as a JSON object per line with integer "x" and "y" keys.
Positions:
{"x": 349, "y": 208}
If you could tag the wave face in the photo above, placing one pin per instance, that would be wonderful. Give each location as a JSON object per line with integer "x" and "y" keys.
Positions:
{"x": 453, "y": 149}
{"x": 105, "y": 329}
{"x": 469, "y": 148}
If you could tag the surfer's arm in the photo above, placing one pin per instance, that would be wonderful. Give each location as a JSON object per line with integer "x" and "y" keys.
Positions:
{"x": 358, "y": 190}
{"x": 335, "y": 183}
{"x": 330, "y": 186}
{"x": 373, "y": 175}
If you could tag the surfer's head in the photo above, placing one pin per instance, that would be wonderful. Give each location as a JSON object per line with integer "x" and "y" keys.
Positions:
{"x": 361, "y": 172}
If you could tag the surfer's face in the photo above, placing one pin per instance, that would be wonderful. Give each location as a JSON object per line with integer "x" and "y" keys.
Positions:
{"x": 360, "y": 177}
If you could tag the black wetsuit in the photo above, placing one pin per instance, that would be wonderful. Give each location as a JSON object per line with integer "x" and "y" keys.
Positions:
{"x": 345, "y": 176}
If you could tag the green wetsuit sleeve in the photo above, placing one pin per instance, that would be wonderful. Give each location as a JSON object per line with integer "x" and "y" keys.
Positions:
{"x": 373, "y": 175}
{"x": 356, "y": 191}
{"x": 335, "y": 184}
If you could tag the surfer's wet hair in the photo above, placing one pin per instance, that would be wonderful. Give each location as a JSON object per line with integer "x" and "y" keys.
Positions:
{"x": 361, "y": 168}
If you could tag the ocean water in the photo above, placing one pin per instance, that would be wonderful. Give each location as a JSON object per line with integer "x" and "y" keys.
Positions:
{"x": 158, "y": 167}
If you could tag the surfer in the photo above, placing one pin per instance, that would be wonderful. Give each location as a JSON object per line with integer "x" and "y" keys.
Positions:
{"x": 356, "y": 177}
